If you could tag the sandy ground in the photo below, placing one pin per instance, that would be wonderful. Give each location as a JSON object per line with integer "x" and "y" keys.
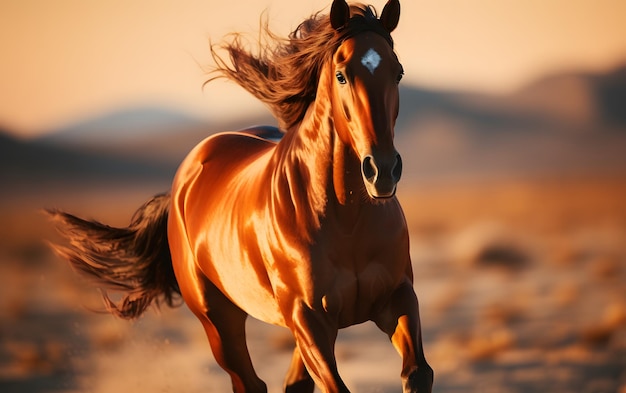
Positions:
{"x": 521, "y": 287}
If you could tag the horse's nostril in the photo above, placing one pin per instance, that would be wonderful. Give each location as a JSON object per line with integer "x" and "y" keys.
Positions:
{"x": 396, "y": 172}
{"x": 369, "y": 169}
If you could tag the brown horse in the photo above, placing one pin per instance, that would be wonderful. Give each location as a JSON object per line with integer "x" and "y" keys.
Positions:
{"x": 305, "y": 233}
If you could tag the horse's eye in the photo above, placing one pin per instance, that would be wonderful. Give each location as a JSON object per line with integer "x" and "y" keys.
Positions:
{"x": 340, "y": 78}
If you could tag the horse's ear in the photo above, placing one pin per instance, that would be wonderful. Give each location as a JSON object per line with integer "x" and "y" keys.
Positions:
{"x": 391, "y": 15}
{"x": 339, "y": 14}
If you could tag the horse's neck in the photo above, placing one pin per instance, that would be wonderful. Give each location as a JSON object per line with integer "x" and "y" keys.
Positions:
{"x": 326, "y": 171}
{"x": 301, "y": 174}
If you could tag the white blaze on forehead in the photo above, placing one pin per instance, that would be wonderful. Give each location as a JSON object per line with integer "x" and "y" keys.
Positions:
{"x": 371, "y": 60}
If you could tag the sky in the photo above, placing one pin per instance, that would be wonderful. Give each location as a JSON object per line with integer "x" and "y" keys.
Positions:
{"x": 64, "y": 61}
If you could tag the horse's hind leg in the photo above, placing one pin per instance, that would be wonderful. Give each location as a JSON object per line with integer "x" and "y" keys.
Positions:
{"x": 224, "y": 324}
{"x": 298, "y": 379}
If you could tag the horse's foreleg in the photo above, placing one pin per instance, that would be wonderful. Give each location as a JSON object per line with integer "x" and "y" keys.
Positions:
{"x": 315, "y": 335}
{"x": 401, "y": 321}
{"x": 298, "y": 379}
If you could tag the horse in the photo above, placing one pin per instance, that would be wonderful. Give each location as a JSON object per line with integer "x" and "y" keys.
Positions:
{"x": 305, "y": 232}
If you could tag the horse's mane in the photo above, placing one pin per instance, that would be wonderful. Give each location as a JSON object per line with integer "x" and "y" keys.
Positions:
{"x": 284, "y": 73}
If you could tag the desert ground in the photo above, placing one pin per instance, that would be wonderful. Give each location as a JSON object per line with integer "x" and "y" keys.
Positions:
{"x": 521, "y": 288}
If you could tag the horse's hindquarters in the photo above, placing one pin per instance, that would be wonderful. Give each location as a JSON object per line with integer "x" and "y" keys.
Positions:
{"x": 221, "y": 182}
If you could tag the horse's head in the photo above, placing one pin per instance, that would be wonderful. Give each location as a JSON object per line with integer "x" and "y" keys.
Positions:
{"x": 365, "y": 94}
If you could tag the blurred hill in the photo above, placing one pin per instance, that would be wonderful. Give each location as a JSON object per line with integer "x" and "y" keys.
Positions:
{"x": 31, "y": 163}
{"x": 148, "y": 134}
{"x": 567, "y": 123}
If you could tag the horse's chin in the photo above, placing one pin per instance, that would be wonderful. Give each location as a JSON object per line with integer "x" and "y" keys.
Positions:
{"x": 381, "y": 200}
{"x": 380, "y": 190}
{"x": 379, "y": 197}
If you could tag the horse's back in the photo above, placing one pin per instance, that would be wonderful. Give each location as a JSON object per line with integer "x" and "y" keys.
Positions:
{"x": 269, "y": 133}
{"x": 235, "y": 148}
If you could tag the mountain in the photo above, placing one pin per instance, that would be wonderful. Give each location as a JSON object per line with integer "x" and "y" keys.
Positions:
{"x": 568, "y": 101}
{"x": 27, "y": 163}
{"x": 148, "y": 134}
{"x": 611, "y": 95}
{"x": 565, "y": 123}
{"x": 121, "y": 126}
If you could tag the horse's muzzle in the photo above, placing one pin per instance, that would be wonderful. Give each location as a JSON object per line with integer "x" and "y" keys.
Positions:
{"x": 381, "y": 176}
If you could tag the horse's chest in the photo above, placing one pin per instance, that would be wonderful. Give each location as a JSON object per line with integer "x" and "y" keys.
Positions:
{"x": 362, "y": 276}
{"x": 354, "y": 296}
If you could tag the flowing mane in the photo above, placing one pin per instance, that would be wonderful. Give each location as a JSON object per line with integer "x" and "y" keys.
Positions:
{"x": 285, "y": 71}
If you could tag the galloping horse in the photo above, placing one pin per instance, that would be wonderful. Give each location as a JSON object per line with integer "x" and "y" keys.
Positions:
{"x": 305, "y": 233}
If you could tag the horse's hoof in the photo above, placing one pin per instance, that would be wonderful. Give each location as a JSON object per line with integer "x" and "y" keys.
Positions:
{"x": 420, "y": 381}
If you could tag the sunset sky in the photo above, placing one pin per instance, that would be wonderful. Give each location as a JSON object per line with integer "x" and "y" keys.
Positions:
{"x": 67, "y": 60}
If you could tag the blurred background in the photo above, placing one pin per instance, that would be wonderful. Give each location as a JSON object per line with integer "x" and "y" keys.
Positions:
{"x": 513, "y": 135}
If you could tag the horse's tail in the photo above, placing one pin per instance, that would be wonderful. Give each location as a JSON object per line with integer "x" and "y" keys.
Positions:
{"x": 135, "y": 260}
